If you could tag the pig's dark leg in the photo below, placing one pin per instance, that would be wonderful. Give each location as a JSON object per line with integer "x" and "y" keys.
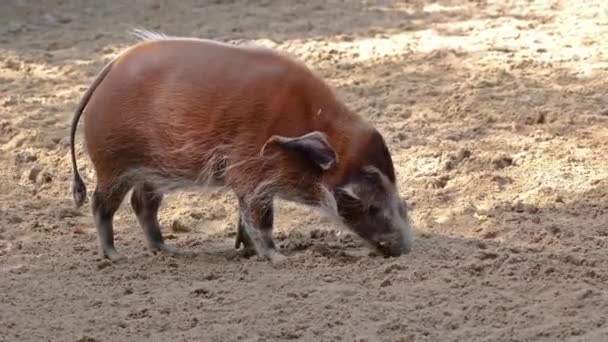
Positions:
{"x": 146, "y": 201}
{"x": 257, "y": 221}
{"x": 104, "y": 205}
{"x": 243, "y": 238}
{"x": 267, "y": 222}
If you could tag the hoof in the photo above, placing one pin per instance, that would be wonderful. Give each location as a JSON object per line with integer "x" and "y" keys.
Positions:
{"x": 114, "y": 256}
{"x": 278, "y": 260}
{"x": 171, "y": 250}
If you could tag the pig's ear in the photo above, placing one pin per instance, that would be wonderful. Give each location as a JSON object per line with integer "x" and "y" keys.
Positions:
{"x": 314, "y": 146}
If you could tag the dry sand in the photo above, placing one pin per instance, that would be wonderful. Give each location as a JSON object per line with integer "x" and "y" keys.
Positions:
{"x": 497, "y": 116}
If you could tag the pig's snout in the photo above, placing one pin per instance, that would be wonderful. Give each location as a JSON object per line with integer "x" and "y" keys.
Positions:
{"x": 397, "y": 243}
{"x": 394, "y": 248}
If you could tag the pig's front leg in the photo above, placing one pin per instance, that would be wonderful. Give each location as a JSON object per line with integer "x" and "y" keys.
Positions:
{"x": 256, "y": 218}
{"x": 243, "y": 239}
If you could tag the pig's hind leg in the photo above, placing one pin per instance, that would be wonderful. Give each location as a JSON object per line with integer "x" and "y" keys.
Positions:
{"x": 146, "y": 201}
{"x": 105, "y": 201}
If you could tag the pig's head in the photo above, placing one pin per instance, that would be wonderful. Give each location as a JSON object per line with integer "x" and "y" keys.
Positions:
{"x": 369, "y": 205}
{"x": 363, "y": 193}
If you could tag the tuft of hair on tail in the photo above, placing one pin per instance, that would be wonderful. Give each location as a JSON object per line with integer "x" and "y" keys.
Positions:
{"x": 79, "y": 190}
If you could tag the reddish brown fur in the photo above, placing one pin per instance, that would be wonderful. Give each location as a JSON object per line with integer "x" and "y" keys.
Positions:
{"x": 179, "y": 100}
{"x": 177, "y": 107}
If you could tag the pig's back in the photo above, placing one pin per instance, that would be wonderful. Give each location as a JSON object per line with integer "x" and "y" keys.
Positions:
{"x": 179, "y": 97}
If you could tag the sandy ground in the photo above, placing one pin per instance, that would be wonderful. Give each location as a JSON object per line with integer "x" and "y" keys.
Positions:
{"x": 496, "y": 113}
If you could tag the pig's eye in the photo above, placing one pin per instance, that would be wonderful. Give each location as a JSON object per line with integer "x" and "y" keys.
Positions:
{"x": 373, "y": 210}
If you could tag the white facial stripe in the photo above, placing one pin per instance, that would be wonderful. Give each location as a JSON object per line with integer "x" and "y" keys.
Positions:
{"x": 350, "y": 190}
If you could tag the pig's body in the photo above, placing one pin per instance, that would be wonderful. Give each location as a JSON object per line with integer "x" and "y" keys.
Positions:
{"x": 174, "y": 113}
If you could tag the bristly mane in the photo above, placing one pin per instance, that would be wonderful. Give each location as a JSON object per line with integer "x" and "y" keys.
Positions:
{"x": 146, "y": 35}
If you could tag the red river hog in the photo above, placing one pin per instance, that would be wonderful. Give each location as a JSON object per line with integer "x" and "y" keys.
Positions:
{"x": 171, "y": 113}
